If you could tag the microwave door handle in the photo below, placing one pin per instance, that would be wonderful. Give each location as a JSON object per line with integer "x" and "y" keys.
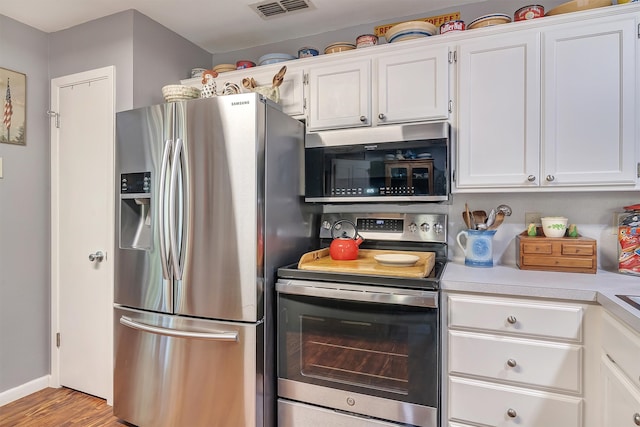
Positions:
{"x": 162, "y": 205}
{"x": 176, "y": 333}
{"x": 173, "y": 233}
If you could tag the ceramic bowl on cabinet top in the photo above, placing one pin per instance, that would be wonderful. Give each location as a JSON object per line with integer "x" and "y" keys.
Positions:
{"x": 577, "y": 5}
{"x": 452, "y": 26}
{"x": 489, "y": 20}
{"x": 410, "y": 30}
{"x": 273, "y": 58}
{"x": 529, "y": 12}
{"x": 339, "y": 47}
{"x": 366, "y": 40}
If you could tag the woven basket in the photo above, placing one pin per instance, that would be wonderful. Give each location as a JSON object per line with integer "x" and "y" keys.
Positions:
{"x": 179, "y": 92}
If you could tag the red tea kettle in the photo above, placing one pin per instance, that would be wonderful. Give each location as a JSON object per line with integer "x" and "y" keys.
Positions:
{"x": 344, "y": 247}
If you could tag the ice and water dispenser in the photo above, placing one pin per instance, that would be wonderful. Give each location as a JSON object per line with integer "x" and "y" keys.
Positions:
{"x": 135, "y": 210}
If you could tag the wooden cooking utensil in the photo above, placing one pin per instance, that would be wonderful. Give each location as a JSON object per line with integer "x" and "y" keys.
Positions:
{"x": 468, "y": 219}
{"x": 480, "y": 217}
{"x": 498, "y": 221}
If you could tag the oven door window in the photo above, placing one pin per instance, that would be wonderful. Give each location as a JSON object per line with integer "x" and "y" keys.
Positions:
{"x": 382, "y": 350}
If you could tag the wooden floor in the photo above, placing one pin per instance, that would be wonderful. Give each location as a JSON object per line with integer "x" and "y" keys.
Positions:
{"x": 58, "y": 407}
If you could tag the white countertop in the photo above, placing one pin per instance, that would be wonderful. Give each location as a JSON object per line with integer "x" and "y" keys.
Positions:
{"x": 600, "y": 288}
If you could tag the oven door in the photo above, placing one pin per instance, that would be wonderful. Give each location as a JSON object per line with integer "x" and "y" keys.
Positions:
{"x": 367, "y": 350}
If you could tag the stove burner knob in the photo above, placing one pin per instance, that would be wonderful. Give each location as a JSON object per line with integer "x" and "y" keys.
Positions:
{"x": 438, "y": 228}
{"x": 326, "y": 225}
{"x": 424, "y": 227}
{"x": 413, "y": 227}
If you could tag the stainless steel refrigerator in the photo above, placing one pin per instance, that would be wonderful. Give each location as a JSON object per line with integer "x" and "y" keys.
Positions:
{"x": 209, "y": 205}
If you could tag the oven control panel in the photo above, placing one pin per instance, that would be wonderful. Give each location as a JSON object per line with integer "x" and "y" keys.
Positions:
{"x": 407, "y": 227}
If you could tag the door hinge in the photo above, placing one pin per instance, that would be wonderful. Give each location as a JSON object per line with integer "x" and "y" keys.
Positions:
{"x": 305, "y": 79}
{"x": 55, "y": 115}
{"x": 453, "y": 176}
{"x": 58, "y": 339}
{"x": 639, "y": 31}
{"x": 638, "y": 169}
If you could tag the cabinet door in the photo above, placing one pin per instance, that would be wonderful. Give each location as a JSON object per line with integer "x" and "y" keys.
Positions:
{"x": 340, "y": 95}
{"x": 499, "y": 104}
{"x": 589, "y": 104}
{"x": 413, "y": 85}
{"x": 291, "y": 89}
{"x": 621, "y": 401}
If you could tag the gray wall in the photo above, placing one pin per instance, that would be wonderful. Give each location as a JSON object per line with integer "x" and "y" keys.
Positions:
{"x": 467, "y": 13}
{"x": 146, "y": 56}
{"x": 24, "y": 217}
{"x": 160, "y": 57}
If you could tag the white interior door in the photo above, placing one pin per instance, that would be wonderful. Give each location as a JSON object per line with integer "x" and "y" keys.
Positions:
{"x": 82, "y": 153}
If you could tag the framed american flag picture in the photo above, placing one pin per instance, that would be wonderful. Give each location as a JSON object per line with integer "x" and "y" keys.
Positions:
{"x": 13, "y": 90}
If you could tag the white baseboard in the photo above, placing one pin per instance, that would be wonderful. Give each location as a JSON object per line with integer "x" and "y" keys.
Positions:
{"x": 24, "y": 390}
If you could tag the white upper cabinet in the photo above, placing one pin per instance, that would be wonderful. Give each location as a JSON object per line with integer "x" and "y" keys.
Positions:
{"x": 588, "y": 106}
{"x": 412, "y": 85}
{"x": 499, "y": 111}
{"x": 399, "y": 86}
{"x": 550, "y": 108}
{"x": 339, "y": 95}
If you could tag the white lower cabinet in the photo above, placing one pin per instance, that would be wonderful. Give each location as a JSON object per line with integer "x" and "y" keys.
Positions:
{"x": 620, "y": 371}
{"x": 516, "y": 362}
{"x": 491, "y": 404}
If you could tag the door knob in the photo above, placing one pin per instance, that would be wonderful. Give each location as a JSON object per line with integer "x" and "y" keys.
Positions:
{"x": 98, "y": 256}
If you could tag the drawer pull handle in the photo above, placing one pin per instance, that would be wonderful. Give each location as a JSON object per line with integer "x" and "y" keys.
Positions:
{"x": 636, "y": 419}
{"x": 512, "y": 413}
{"x": 512, "y": 320}
{"x": 512, "y": 363}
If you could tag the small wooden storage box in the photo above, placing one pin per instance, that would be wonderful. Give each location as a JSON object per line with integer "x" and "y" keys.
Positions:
{"x": 568, "y": 254}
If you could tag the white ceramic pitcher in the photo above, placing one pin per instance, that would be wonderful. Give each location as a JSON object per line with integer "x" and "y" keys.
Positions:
{"x": 477, "y": 247}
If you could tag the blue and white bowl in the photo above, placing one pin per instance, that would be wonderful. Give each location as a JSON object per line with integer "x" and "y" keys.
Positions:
{"x": 410, "y": 30}
{"x": 273, "y": 58}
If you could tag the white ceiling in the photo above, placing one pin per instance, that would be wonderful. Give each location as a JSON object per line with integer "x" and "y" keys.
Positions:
{"x": 223, "y": 25}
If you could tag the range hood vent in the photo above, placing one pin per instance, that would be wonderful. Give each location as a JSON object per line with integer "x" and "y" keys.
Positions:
{"x": 273, "y": 9}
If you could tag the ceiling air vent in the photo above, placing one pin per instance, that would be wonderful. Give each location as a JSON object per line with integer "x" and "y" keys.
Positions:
{"x": 272, "y": 9}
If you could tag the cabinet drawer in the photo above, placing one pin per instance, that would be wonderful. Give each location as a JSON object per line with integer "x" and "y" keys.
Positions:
{"x": 623, "y": 347}
{"x": 525, "y": 362}
{"x": 526, "y": 318}
{"x": 489, "y": 404}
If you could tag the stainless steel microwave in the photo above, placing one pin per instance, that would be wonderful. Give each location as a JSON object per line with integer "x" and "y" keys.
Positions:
{"x": 396, "y": 163}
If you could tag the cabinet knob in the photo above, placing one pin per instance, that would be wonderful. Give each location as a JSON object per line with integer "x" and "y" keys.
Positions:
{"x": 512, "y": 320}
{"x": 636, "y": 419}
{"x": 512, "y": 363}
{"x": 551, "y": 178}
{"x": 382, "y": 116}
{"x": 363, "y": 119}
{"x": 512, "y": 413}
{"x": 531, "y": 178}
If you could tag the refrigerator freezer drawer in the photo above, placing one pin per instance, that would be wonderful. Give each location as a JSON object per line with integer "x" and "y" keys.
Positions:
{"x": 177, "y": 371}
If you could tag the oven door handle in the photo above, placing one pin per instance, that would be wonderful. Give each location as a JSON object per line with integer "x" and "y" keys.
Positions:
{"x": 427, "y": 299}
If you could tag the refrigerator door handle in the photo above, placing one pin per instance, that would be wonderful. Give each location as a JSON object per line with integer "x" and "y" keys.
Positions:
{"x": 162, "y": 223}
{"x": 173, "y": 235}
{"x": 212, "y": 336}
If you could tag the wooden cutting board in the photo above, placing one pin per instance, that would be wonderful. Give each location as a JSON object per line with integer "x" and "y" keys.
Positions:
{"x": 320, "y": 260}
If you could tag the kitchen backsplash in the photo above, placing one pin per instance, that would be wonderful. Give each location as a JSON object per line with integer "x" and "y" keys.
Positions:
{"x": 592, "y": 212}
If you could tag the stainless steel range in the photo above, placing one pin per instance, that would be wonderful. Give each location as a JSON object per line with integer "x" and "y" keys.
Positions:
{"x": 363, "y": 349}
